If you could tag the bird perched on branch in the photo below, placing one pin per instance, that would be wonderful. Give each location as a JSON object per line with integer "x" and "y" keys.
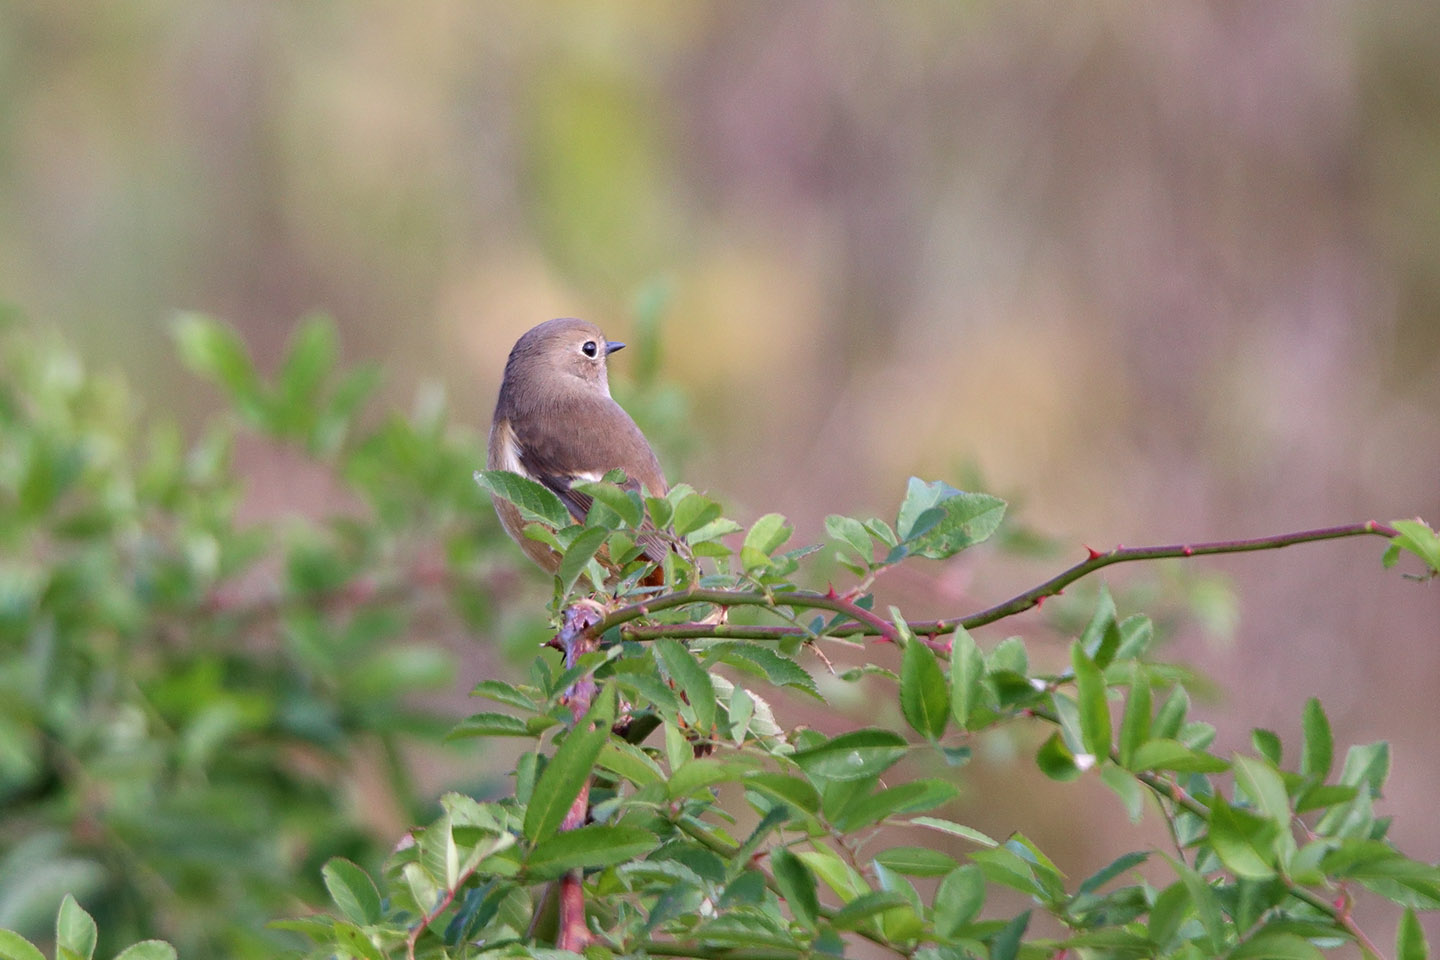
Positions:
{"x": 556, "y": 423}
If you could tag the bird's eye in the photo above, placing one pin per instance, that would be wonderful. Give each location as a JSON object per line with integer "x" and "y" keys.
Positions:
{"x": 589, "y": 348}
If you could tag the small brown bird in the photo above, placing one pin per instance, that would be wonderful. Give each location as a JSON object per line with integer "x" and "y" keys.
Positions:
{"x": 556, "y": 423}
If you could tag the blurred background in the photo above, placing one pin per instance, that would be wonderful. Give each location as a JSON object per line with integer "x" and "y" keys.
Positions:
{"x": 1154, "y": 272}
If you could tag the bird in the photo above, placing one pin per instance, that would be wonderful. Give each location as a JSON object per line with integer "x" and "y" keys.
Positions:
{"x": 556, "y": 423}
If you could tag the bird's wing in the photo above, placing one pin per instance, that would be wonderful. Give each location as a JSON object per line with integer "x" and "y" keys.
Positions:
{"x": 608, "y": 441}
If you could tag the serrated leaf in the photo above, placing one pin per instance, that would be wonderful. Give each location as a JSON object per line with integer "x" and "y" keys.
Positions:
{"x": 916, "y": 861}
{"x": 489, "y": 725}
{"x": 924, "y": 697}
{"x": 536, "y": 502}
{"x": 967, "y": 676}
{"x": 1267, "y": 744}
{"x": 148, "y": 950}
{"x": 692, "y": 511}
{"x": 691, "y": 679}
{"x": 852, "y": 533}
{"x": 780, "y": 670}
{"x": 626, "y": 504}
{"x": 75, "y": 929}
{"x": 705, "y": 772}
{"x": 579, "y": 554}
{"x": 853, "y": 756}
{"x": 567, "y": 772}
{"x": 955, "y": 829}
{"x": 766, "y": 536}
{"x": 938, "y": 521}
{"x": 1244, "y": 842}
{"x": 593, "y": 845}
{"x": 15, "y": 947}
{"x": 1262, "y": 783}
{"x": 1417, "y": 538}
{"x": 1171, "y": 715}
{"x": 629, "y": 762}
{"x": 958, "y": 900}
{"x": 792, "y": 790}
{"x": 352, "y": 890}
{"x": 1205, "y": 902}
{"x": 1162, "y": 754}
{"x": 1135, "y": 722}
{"x": 911, "y": 797}
{"x": 1092, "y": 701}
{"x": 1318, "y": 753}
{"x": 1275, "y": 945}
{"x": 797, "y": 886}
{"x": 506, "y": 693}
{"x": 854, "y": 914}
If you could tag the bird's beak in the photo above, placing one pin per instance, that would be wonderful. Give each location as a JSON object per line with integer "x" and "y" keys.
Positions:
{"x": 612, "y": 345}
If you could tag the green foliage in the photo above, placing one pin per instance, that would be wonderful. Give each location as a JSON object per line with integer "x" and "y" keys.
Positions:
{"x": 192, "y": 698}
{"x": 145, "y": 692}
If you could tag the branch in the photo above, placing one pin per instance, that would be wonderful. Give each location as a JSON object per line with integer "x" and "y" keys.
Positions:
{"x": 866, "y": 623}
{"x": 576, "y": 638}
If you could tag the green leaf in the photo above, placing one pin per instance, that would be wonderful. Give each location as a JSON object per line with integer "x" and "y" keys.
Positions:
{"x": 967, "y": 676}
{"x": 309, "y": 359}
{"x": 593, "y": 845}
{"x": 579, "y": 554}
{"x": 1172, "y": 715}
{"x": 938, "y": 521}
{"x": 923, "y": 694}
{"x": 1112, "y": 870}
{"x": 216, "y": 352}
{"x": 916, "y": 861}
{"x": 625, "y": 503}
{"x": 797, "y": 886}
{"x": 1244, "y": 842}
{"x": 1135, "y": 723}
{"x": 489, "y": 725}
{"x": 705, "y": 772}
{"x": 1262, "y": 783}
{"x": 956, "y": 829}
{"x": 15, "y": 947}
{"x": 852, "y": 533}
{"x": 1055, "y": 759}
{"x": 1093, "y": 703}
{"x": 690, "y": 678}
{"x": 854, "y": 755}
{"x": 910, "y": 797}
{"x": 75, "y": 930}
{"x": 1318, "y": 753}
{"x": 568, "y": 771}
{"x": 1162, "y": 754}
{"x": 148, "y": 950}
{"x": 1267, "y": 744}
{"x": 1127, "y": 788}
{"x": 792, "y": 790}
{"x": 1206, "y": 903}
{"x": 1101, "y": 628}
{"x": 958, "y": 900}
{"x": 854, "y": 914}
{"x": 777, "y": 668}
{"x": 765, "y": 537}
{"x": 693, "y": 511}
{"x": 1417, "y": 538}
{"x": 536, "y": 502}
{"x": 1410, "y": 938}
{"x": 629, "y": 762}
{"x": 352, "y": 890}
{"x": 1005, "y": 945}
{"x": 1275, "y": 945}
{"x": 1367, "y": 765}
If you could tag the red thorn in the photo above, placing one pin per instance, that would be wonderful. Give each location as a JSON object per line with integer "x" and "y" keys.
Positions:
{"x": 1040, "y": 602}
{"x": 830, "y": 593}
{"x": 1094, "y": 554}
{"x": 1188, "y": 552}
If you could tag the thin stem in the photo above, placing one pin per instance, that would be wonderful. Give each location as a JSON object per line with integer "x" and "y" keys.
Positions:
{"x": 866, "y": 623}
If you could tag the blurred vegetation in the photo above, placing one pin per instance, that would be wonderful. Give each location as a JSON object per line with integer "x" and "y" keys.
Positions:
{"x": 198, "y": 710}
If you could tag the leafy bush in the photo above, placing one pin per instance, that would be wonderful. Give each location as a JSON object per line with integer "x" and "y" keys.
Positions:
{"x": 177, "y": 749}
